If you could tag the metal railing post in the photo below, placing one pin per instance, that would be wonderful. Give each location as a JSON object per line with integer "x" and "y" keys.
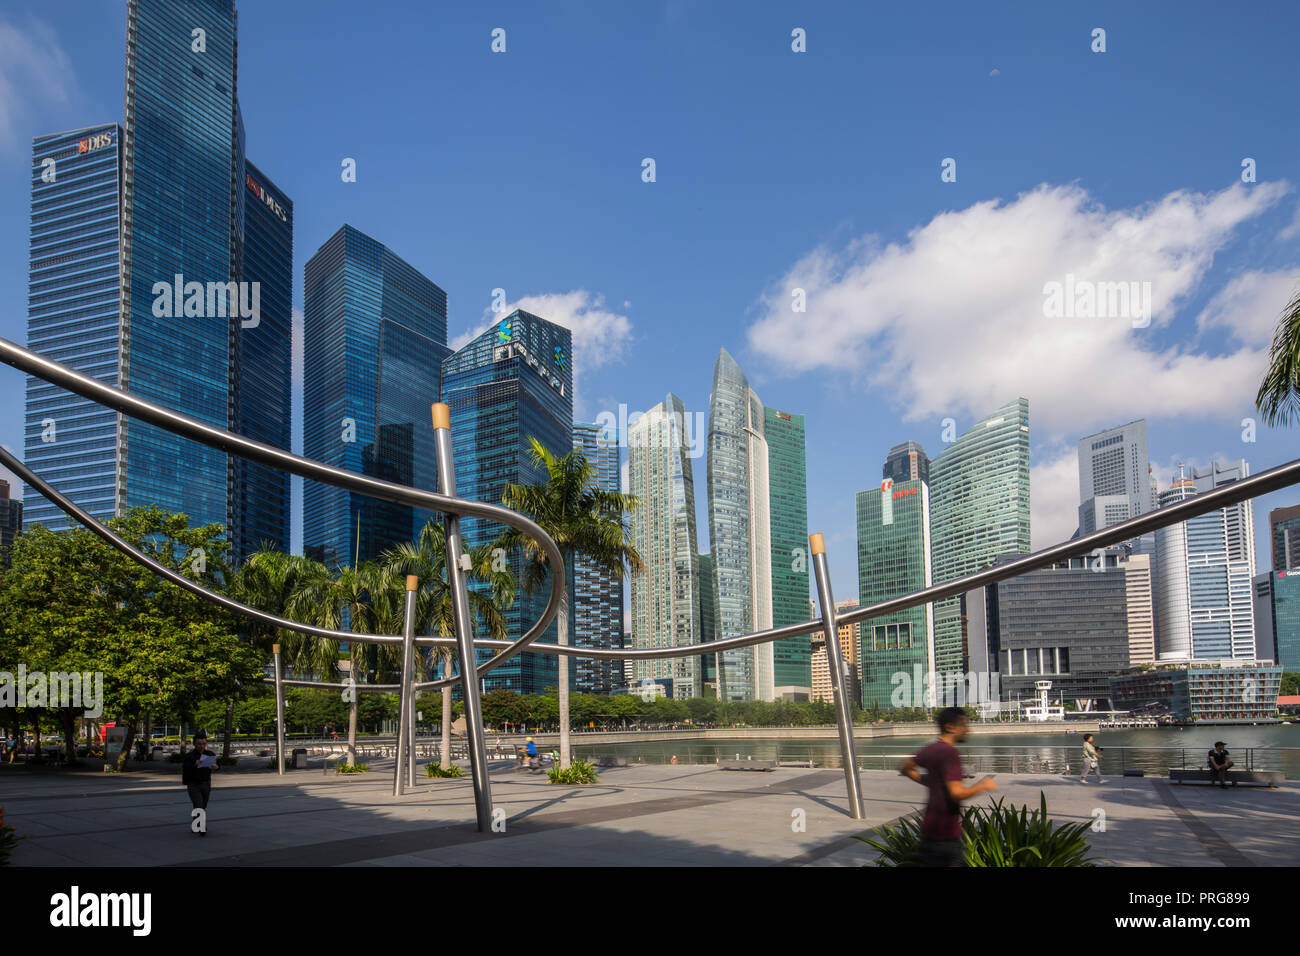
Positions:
{"x": 835, "y": 664}
{"x": 279, "y": 713}
{"x": 404, "y": 736}
{"x": 464, "y": 623}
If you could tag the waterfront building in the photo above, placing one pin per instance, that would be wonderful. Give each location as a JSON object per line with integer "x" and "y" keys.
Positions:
{"x": 1114, "y": 477}
{"x": 510, "y": 383}
{"x": 1284, "y": 535}
{"x": 1204, "y": 568}
{"x": 1223, "y": 691}
{"x": 788, "y": 510}
{"x": 708, "y": 624}
{"x": 894, "y": 559}
{"x": 907, "y": 461}
{"x": 666, "y": 595}
{"x": 822, "y": 688}
{"x": 375, "y": 334}
{"x": 597, "y": 594}
{"x": 11, "y": 521}
{"x": 1277, "y": 618}
{"x": 979, "y": 509}
{"x": 740, "y": 530}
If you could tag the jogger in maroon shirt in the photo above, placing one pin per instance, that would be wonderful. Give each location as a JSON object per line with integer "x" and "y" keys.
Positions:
{"x": 941, "y": 843}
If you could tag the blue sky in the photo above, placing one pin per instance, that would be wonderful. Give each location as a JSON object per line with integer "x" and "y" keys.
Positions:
{"x": 778, "y": 170}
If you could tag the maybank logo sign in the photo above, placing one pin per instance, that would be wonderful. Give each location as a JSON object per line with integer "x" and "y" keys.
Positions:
{"x": 256, "y": 189}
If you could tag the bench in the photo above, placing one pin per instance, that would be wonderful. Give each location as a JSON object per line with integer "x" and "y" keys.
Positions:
{"x": 763, "y": 765}
{"x": 1269, "y": 778}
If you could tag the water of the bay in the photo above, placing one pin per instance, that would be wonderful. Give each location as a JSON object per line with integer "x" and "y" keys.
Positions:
{"x": 1264, "y": 747}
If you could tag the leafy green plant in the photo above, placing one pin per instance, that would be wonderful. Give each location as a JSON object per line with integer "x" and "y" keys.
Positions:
{"x": 434, "y": 770}
{"x": 578, "y": 772}
{"x": 224, "y": 761}
{"x": 8, "y": 839}
{"x": 354, "y": 768}
{"x": 998, "y": 835}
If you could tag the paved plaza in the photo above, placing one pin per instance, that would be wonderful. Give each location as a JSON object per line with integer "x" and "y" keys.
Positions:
{"x": 635, "y": 816}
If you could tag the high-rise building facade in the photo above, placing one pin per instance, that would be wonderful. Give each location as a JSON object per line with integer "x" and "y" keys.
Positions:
{"x": 155, "y": 268}
{"x": 375, "y": 334}
{"x": 11, "y": 521}
{"x": 708, "y": 624}
{"x": 1204, "y": 603}
{"x": 787, "y": 478}
{"x": 822, "y": 687}
{"x": 511, "y": 383}
{"x": 666, "y": 598}
{"x": 1114, "y": 477}
{"x": 979, "y": 507}
{"x": 597, "y": 595}
{"x": 894, "y": 558}
{"x": 740, "y": 530}
{"x": 907, "y": 461}
{"x": 1277, "y": 618}
{"x": 1284, "y": 536}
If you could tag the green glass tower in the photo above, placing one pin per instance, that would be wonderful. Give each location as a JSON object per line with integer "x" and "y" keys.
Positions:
{"x": 787, "y": 477}
{"x": 893, "y": 560}
{"x": 979, "y": 498}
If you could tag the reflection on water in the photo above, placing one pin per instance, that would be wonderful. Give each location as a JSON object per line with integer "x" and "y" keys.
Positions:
{"x": 1275, "y": 747}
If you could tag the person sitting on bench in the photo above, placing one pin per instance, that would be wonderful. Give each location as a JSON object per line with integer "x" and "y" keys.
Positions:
{"x": 1219, "y": 764}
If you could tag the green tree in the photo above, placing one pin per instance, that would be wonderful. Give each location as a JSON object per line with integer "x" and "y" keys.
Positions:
{"x": 583, "y": 521}
{"x": 1278, "y": 399}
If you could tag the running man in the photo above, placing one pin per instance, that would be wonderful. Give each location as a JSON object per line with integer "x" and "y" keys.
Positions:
{"x": 941, "y": 837}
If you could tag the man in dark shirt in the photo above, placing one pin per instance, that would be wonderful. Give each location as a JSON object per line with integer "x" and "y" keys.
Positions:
{"x": 1219, "y": 764}
{"x": 198, "y": 780}
{"x": 941, "y": 840}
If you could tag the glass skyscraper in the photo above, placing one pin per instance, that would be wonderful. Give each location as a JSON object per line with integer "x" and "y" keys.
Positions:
{"x": 740, "y": 530}
{"x": 1284, "y": 536}
{"x": 893, "y": 560}
{"x": 150, "y": 271}
{"x": 787, "y": 474}
{"x": 1115, "y": 481}
{"x": 666, "y": 596}
{"x": 597, "y": 596}
{"x": 979, "y": 506}
{"x": 375, "y": 334}
{"x": 512, "y": 382}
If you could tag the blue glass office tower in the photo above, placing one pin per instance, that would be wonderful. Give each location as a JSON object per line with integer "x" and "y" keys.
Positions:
{"x": 73, "y": 317}
{"x": 375, "y": 337}
{"x": 510, "y": 383}
{"x": 148, "y": 290}
{"x": 596, "y": 598}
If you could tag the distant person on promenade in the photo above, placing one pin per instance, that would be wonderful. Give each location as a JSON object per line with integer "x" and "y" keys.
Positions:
{"x": 196, "y": 774}
{"x": 1219, "y": 764}
{"x": 941, "y": 837}
{"x": 1091, "y": 759}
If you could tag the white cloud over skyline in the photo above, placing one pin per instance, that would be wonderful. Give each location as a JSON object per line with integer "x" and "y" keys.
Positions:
{"x": 35, "y": 73}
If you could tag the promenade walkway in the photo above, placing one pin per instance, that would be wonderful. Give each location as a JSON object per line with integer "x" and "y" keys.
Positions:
{"x": 636, "y": 816}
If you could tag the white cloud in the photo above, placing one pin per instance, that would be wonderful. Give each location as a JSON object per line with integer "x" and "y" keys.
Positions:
{"x": 1291, "y": 230}
{"x": 600, "y": 337}
{"x": 951, "y": 320}
{"x": 1053, "y": 497}
{"x": 34, "y": 71}
{"x": 1250, "y": 305}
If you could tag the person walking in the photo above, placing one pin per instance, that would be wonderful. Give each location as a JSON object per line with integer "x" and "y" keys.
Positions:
{"x": 941, "y": 831}
{"x": 1219, "y": 764}
{"x": 1091, "y": 759}
{"x": 196, "y": 774}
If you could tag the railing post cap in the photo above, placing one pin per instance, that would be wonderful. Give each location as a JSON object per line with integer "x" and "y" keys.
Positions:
{"x": 412, "y": 582}
{"x": 275, "y": 648}
{"x": 817, "y": 543}
{"x": 441, "y": 415}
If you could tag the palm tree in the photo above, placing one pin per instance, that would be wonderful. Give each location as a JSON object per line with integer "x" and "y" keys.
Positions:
{"x": 362, "y": 595}
{"x": 1279, "y": 394}
{"x": 583, "y": 521}
{"x": 427, "y": 558}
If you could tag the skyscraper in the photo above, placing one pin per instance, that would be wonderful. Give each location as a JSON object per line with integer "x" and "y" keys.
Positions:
{"x": 510, "y": 383}
{"x": 823, "y": 688}
{"x": 979, "y": 501}
{"x": 171, "y": 287}
{"x": 11, "y": 521}
{"x": 894, "y": 559}
{"x": 1204, "y": 603}
{"x": 907, "y": 461}
{"x": 375, "y": 334}
{"x": 740, "y": 530}
{"x": 1114, "y": 477}
{"x": 787, "y": 473}
{"x": 708, "y": 624}
{"x": 666, "y": 596}
{"x": 1284, "y": 535}
{"x": 597, "y": 596}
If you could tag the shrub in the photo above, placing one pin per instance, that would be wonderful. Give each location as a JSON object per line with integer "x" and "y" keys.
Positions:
{"x": 354, "y": 768}
{"x": 175, "y": 758}
{"x": 995, "y": 836}
{"x": 436, "y": 770}
{"x": 8, "y": 839}
{"x": 578, "y": 772}
{"x": 223, "y": 761}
